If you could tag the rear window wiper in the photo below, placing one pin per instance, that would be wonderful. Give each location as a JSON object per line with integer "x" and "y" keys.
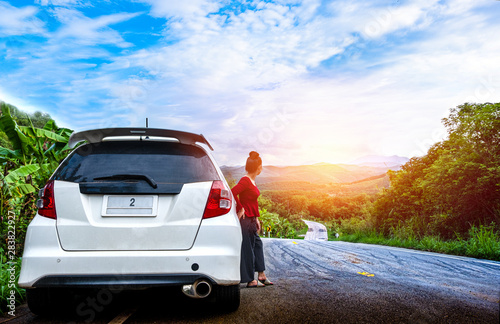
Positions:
{"x": 148, "y": 179}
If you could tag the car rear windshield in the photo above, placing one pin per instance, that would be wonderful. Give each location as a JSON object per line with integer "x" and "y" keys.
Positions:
{"x": 165, "y": 162}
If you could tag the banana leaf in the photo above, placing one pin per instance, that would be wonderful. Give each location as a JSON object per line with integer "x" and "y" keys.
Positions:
{"x": 9, "y": 127}
{"x": 43, "y": 133}
{"x": 24, "y": 189}
{"x": 21, "y": 172}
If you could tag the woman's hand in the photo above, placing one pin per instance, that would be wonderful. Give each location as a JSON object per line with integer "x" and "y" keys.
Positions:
{"x": 258, "y": 224}
{"x": 241, "y": 213}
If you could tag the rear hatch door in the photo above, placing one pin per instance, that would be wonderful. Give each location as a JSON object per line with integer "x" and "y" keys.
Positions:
{"x": 137, "y": 195}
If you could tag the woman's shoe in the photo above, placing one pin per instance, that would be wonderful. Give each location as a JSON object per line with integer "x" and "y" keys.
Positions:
{"x": 266, "y": 282}
{"x": 258, "y": 285}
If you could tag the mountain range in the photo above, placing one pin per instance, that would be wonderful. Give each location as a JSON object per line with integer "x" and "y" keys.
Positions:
{"x": 323, "y": 173}
{"x": 380, "y": 161}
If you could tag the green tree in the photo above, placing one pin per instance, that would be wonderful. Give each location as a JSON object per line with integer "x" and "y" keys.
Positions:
{"x": 455, "y": 185}
{"x": 466, "y": 175}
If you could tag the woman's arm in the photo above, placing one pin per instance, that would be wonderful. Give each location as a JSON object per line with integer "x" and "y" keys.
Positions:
{"x": 239, "y": 188}
{"x": 241, "y": 213}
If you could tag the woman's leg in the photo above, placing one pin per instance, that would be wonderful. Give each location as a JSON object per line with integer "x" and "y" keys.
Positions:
{"x": 247, "y": 269}
{"x": 260, "y": 265}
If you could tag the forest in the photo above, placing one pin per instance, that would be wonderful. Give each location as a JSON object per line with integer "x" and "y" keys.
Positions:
{"x": 446, "y": 201}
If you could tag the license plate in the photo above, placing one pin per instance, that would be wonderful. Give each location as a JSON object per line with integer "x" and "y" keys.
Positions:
{"x": 119, "y": 205}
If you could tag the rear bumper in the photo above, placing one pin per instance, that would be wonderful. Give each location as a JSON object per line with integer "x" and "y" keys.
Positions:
{"x": 215, "y": 256}
{"x": 118, "y": 281}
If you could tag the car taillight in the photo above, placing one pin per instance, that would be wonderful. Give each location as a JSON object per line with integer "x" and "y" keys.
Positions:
{"x": 219, "y": 200}
{"x": 46, "y": 204}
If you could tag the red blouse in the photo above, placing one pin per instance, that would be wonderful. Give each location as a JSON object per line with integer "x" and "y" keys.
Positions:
{"x": 248, "y": 193}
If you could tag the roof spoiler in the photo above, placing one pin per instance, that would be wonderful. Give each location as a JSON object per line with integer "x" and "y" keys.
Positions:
{"x": 97, "y": 135}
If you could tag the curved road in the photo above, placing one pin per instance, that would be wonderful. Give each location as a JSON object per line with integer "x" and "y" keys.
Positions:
{"x": 316, "y": 231}
{"x": 332, "y": 282}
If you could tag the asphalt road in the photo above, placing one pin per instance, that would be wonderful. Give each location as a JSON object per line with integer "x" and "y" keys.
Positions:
{"x": 330, "y": 282}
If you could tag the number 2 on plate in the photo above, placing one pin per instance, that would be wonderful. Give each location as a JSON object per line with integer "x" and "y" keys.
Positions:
{"x": 132, "y": 201}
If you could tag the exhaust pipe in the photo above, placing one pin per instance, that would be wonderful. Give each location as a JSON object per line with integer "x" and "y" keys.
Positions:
{"x": 201, "y": 288}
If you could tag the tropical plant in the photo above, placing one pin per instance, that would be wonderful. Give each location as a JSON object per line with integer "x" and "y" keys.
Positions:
{"x": 6, "y": 287}
{"x": 32, "y": 156}
{"x": 28, "y": 156}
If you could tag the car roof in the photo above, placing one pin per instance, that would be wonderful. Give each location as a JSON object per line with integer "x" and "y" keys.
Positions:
{"x": 98, "y": 135}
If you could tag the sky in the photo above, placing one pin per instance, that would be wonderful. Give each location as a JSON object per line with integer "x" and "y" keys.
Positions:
{"x": 300, "y": 82}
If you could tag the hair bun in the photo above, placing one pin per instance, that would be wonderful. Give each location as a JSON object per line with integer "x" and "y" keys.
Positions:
{"x": 254, "y": 155}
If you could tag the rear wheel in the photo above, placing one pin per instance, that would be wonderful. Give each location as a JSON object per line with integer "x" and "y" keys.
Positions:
{"x": 45, "y": 301}
{"x": 39, "y": 300}
{"x": 227, "y": 297}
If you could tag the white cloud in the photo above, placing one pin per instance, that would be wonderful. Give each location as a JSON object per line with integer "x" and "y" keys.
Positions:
{"x": 182, "y": 9}
{"x": 254, "y": 49}
{"x": 88, "y": 31}
{"x": 55, "y": 65}
{"x": 280, "y": 78}
{"x": 460, "y": 7}
{"x": 19, "y": 21}
{"x": 233, "y": 77}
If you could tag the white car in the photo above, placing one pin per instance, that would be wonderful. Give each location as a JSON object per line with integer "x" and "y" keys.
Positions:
{"x": 134, "y": 208}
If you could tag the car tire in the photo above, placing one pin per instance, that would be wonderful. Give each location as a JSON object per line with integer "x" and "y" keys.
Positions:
{"x": 46, "y": 301}
{"x": 227, "y": 298}
{"x": 39, "y": 300}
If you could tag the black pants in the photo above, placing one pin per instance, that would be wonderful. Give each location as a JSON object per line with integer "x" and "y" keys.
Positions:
{"x": 252, "y": 251}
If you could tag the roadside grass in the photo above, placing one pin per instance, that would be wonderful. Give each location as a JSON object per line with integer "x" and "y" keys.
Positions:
{"x": 7, "y": 285}
{"x": 299, "y": 232}
{"x": 483, "y": 242}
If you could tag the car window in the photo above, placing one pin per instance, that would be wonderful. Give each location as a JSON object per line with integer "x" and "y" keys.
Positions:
{"x": 164, "y": 162}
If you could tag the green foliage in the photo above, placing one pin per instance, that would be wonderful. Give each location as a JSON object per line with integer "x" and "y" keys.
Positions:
{"x": 38, "y": 119}
{"x": 484, "y": 242}
{"x": 14, "y": 180}
{"x": 314, "y": 205}
{"x": 455, "y": 186}
{"x": 278, "y": 226}
{"x": 28, "y": 156}
{"x": 31, "y": 156}
{"x": 6, "y": 284}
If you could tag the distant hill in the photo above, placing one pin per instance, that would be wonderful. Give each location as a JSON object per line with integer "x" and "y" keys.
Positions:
{"x": 393, "y": 162}
{"x": 370, "y": 185}
{"x": 322, "y": 173}
{"x": 367, "y": 174}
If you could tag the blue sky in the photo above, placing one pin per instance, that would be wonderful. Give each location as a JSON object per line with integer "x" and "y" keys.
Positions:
{"x": 299, "y": 81}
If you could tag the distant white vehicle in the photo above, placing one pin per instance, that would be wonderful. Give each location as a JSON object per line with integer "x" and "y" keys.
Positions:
{"x": 316, "y": 231}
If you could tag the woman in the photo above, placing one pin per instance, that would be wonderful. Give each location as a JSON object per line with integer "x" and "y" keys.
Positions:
{"x": 247, "y": 207}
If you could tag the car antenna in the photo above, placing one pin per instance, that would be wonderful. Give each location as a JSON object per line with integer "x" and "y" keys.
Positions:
{"x": 147, "y": 137}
